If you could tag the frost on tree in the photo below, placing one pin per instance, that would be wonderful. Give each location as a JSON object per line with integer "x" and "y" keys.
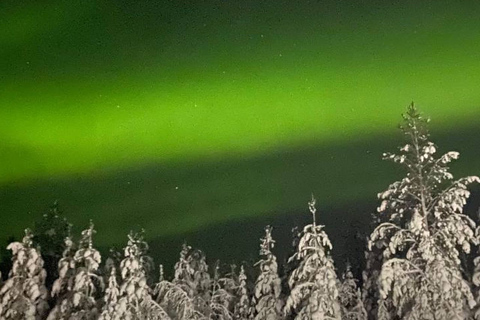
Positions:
{"x": 201, "y": 278}
{"x": 313, "y": 284}
{"x": 219, "y": 299}
{"x": 66, "y": 270}
{"x": 110, "y": 299}
{"x": 184, "y": 273}
{"x": 174, "y": 300}
{"x": 350, "y": 298}
{"x": 78, "y": 282}
{"x": 424, "y": 233}
{"x": 243, "y": 309}
{"x": 230, "y": 283}
{"x": 191, "y": 274}
{"x": 135, "y": 301}
{"x": 23, "y": 295}
{"x": 268, "y": 285}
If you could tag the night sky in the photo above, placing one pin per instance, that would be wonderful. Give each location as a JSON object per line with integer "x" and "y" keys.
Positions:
{"x": 206, "y": 120}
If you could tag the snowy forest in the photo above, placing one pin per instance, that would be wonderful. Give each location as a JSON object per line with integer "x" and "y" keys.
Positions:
{"x": 421, "y": 262}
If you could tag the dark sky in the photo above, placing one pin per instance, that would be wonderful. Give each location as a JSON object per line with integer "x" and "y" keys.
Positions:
{"x": 206, "y": 120}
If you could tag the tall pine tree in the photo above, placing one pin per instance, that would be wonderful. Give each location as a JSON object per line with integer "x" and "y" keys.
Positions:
{"x": 350, "y": 297}
{"x": 136, "y": 302}
{"x": 423, "y": 233}
{"x": 313, "y": 284}
{"x": 268, "y": 285}
{"x": 78, "y": 281}
{"x": 24, "y": 295}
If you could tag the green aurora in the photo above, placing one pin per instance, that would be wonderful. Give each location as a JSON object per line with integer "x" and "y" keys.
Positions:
{"x": 185, "y": 115}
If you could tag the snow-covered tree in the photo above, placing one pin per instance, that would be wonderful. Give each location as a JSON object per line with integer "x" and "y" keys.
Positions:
{"x": 350, "y": 297}
{"x": 424, "y": 233}
{"x": 23, "y": 296}
{"x": 184, "y": 273}
{"x": 78, "y": 281}
{"x": 243, "y": 309}
{"x": 110, "y": 299}
{"x": 191, "y": 274}
{"x": 230, "y": 282}
{"x": 66, "y": 270}
{"x": 135, "y": 301}
{"x": 314, "y": 292}
{"x": 201, "y": 278}
{"x": 174, "y": 300}
{"x": 217, "y": 308}
{"x": 267, "y": 300}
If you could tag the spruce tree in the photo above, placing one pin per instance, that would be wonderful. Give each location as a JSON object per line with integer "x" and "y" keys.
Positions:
{"x": 218, "y": 304}
{"x": 135, "y": 301}
{"x": 268, "y": 285}
{"x": 110, "y": 299}
{"x": 24, "y": 295}
{"x": 191, "y": 274}
{"x": 230, "y": 282}
{"x": 79, "y": 281}
{"x": 350, "y": 297}
{"x": 424, "y": 233}
{"x": 313, "y": 284}
{"x": 66, "y": 271}
{"x": 243, "y": 309}
{"x": 201, "y": 278}
{"x": 174, "y": 300}
{"x": 184, "y": 273}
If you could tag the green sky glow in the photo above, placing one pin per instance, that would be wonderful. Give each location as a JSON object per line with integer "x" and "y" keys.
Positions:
{"x": 108, "y": 85}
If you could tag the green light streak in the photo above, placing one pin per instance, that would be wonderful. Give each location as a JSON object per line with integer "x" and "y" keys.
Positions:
{"x": 210, "y": 94}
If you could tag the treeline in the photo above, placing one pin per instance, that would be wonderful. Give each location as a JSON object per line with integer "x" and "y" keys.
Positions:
{"x": 417, "y": 263}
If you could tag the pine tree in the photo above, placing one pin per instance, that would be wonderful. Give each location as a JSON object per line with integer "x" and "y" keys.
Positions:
{"x": 201, "y": 278}
{"x": 79, "y": 281}
{"x": 268, "y": 285}
{"x": 314, "y": 292}
{"x": 66, "y": 271}
{"x": 243, "y": 309}
{"x": 110, "y": 299}
{"x": 24, "y": 295}
{"x": 184, "y": 273}
{"x": 424, "y": 234}
{"x": 174, "y": 300}
{"x": 217, "y": 308}
{"x": 191, "y": 274}
{"x": 135, "y": 301}
{"x": 350, "y": 297}
{"x": 230, "y": 282}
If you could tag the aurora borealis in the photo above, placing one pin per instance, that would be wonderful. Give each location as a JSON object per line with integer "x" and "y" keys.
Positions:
{"x": 181, "y": 116}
